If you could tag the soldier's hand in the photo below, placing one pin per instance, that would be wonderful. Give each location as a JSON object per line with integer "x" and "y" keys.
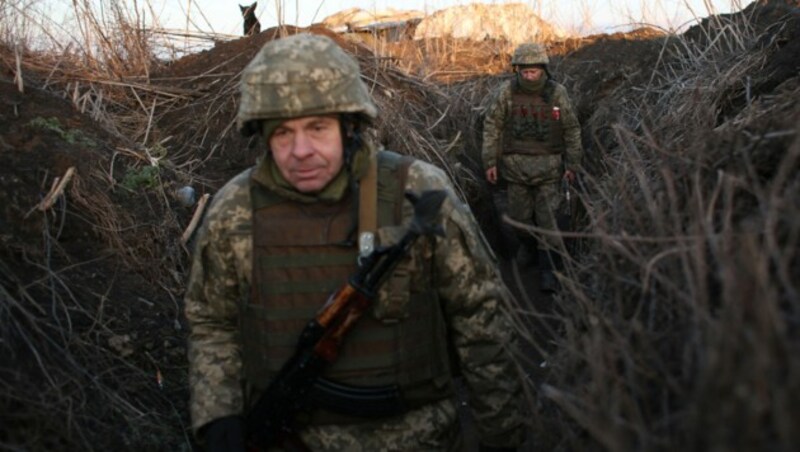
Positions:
{"x": 484, "y": 448}
{"x": 569, "y": 175}
{"x": 225, "y": 435}
{"x": 491, "y": 175}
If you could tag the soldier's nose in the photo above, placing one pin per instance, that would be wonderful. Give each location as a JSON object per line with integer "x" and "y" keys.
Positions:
{"x": 302, "y": 147}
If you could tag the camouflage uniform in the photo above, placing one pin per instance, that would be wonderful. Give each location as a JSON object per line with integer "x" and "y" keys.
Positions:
{"x": 534, "y": 181}
{"x": 469, "y": 290}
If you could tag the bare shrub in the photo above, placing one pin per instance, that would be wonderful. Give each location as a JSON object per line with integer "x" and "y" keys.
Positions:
{"x": 83, "y": 369}
{"x": 678, "y": 327}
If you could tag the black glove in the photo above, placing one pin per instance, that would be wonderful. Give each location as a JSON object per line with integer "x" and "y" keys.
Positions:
{"x": 225, "y": 434}
{"x": 482, "y": 448}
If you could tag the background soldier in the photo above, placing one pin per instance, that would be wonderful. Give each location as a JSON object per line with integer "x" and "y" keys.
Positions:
{"x": 281, "y": 236}
{"x": 532, "y": 133}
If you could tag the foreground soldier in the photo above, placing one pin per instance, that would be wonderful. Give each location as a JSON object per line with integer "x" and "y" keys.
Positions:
{"x": 280, "y": 237}
{"x": 531, "y": 128}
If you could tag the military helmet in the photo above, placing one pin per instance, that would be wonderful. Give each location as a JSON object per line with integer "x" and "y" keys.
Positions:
{"x": 529, "y": 54}
{"x": 300, "y": 75}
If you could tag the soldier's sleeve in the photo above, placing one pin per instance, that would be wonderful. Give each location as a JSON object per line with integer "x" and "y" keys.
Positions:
{"x": 572, "y": 129}
{"x": 493, "y": 124}
{"x": 472, "y": 296}
{"x": 212, "y": 311}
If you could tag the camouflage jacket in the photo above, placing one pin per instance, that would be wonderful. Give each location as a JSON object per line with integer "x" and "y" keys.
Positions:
{"x": 469, "y": 289}
{"x": 528, "y": 169}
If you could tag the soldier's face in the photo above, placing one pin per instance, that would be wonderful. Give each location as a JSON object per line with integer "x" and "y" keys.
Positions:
{"x": 531, "y": 73}
{"x": 308, "y": 151}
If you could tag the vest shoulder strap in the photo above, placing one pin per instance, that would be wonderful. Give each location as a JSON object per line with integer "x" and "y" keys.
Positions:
{"x": 392, "y": 176}
{"x": 549, "y": 90}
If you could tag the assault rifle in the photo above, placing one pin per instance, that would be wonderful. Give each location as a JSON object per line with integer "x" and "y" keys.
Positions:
{"x": 275, "y": 417}
{"x": 566, "y": 215}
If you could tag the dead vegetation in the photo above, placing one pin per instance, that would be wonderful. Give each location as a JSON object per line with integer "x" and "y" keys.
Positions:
{"x": 678, "y": 324}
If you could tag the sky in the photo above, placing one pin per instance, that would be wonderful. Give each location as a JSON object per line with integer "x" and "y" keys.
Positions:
{"x": 576, "y": 16}
{"x": 55, "y": 23}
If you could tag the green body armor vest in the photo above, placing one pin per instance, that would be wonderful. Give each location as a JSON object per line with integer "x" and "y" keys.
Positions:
{"x": 302, "y": 253}
{"x": 534, "y": 126}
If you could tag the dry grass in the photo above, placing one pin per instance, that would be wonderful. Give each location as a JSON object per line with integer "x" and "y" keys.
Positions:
{"x": 678, "y": 328}
{"x": 68, "y": 381}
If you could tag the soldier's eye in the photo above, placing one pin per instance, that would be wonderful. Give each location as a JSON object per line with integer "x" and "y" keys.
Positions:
{"x": 280, "y": 137}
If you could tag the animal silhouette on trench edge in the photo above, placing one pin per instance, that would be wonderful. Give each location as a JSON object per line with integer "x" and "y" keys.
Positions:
{"x": 251, "y": 24}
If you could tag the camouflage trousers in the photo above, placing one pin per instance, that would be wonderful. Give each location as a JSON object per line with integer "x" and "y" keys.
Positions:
{"x": 536, "y": 204}
{"x": 434, "y": 427}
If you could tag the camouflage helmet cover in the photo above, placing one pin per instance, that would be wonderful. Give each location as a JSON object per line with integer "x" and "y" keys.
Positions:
{"x": 529, "y": 54}
{"x": 301, "y": 75}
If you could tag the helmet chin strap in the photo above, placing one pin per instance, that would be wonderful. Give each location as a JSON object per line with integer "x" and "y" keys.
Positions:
{"x": 352, "y": 140}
